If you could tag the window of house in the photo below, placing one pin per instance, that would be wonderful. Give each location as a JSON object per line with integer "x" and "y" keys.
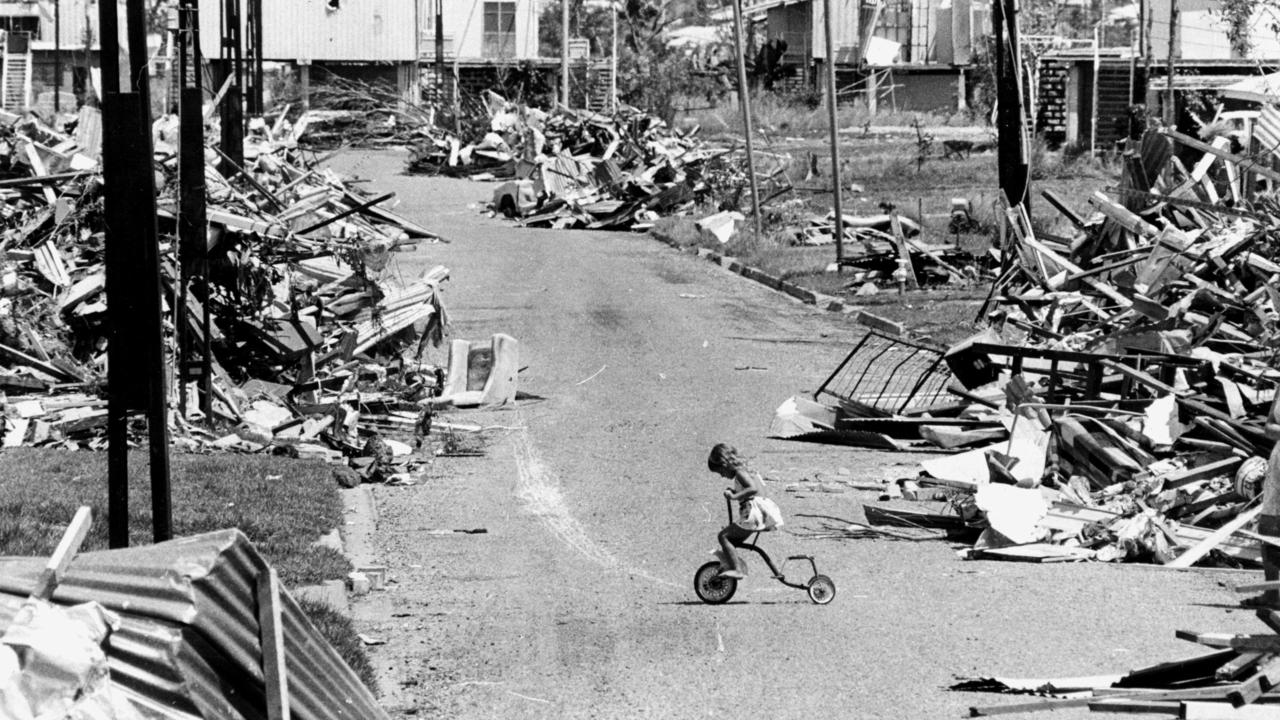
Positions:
{"x": 21, "y": 24}
{"x": 895, "y": 25}
{"x": 499, "y": 29}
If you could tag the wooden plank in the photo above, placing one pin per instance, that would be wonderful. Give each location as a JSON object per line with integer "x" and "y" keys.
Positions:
{"x": 1131, "y": 695}
{"x": 1204, "y": 710}
{"x": 21, "y": 358}
{"x": 1260, "y": 682}
{"x": 271, "y": 627}
{"x": 38, "y": 167}
{"x": 1258, "y": 587}
{"x": 1214, "y": 539}
{"x": 1244, "y": 663}
{"x": 1250, "y": 643}
{"x": 904, "y": 255}
{"x": 1270, "y": 617}
{"x": 67, "y": 548}
{"x": 1243, "y": 162}
{"x": 1102, "y": 287}
{"x": 1203, "y": 472}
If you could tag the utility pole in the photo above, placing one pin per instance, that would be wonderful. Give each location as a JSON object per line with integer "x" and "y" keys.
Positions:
{"x": 1010, "y": 121}
{"x": 564, "y": 52}
{"x": 1170, "y": 111}
{"x": 744, "y": 102}
{"x": 613, "y": 58}
{"x": 255, "y": 70}
{"x": 57, "y": 56}
{"x": 440, "y": 51}
{"x": 1093, "y": 115}
{"x": 195, "y": 359}
{"x": 135, "y": 363}
{"x": 834, "y": 127}
{"x": 233, "y": 102}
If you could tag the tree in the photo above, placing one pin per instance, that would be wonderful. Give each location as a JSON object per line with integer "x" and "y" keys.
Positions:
{"x": 652, "y": 75}
{"x": 1243, "y": 17}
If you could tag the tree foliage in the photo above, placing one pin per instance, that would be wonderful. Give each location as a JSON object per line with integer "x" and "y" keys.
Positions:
{"x": 652, "y": 75}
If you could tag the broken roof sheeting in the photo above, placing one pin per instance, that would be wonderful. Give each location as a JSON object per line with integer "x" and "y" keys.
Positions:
{"x": 206, "y": 586}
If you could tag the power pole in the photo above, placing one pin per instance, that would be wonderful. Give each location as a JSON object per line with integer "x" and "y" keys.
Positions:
{"x": 195, "y": 359}
{"x": 1170, "y": 112}
{"x": 564, "y": 52}
{"x": 57, "y": 56}
{"x": 613, "y": 58}
{"x": 744, "y": 102}
{"x": 834, "y": 128}
{"x": 1010, "y": 121}
{"x": 440, "y": 51}
{"x": 135, "y": 363}
{"x": 233, "y": 103}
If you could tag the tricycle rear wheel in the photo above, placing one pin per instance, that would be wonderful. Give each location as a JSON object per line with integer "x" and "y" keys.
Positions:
{"x": 821, "y": 590}
{"x": 710, "y": 587}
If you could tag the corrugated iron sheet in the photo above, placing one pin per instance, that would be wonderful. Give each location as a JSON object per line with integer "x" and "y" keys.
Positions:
{"x": 1267, "y": 130}
{"x": 203, "y": 588}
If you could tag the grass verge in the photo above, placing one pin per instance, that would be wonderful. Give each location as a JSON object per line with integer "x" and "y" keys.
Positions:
{"x": 282, "y": 505}
{"x": 340, "y": 632}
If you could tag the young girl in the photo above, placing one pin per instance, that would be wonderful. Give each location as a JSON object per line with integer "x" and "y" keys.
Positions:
{"x": 755, "y": 512}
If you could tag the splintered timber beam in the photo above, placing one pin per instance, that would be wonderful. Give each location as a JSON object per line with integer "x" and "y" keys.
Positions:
{"x": 1250, "y": 643}
{"x": 1241, "y": 162}
{"x": 1259, "y": 683}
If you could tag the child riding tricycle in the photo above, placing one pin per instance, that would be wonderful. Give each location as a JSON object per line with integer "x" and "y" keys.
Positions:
{"x": 716, "y": 582}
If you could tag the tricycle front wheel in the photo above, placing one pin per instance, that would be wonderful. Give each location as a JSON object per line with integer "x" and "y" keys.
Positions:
{"x": 710, "y": 587}
{"x": 821, "y": 589}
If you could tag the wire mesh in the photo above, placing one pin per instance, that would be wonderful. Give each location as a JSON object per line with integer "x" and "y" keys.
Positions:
{"x": 890, "y": 375}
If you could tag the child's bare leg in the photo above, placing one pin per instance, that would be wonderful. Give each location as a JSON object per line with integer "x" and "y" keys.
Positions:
{"x": 729, "y": 551}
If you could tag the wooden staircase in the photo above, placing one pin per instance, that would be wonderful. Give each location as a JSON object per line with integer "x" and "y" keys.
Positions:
{"x": 15, "y": 74}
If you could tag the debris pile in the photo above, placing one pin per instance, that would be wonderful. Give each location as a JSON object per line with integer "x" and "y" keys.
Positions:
{"x": 582, "y": 169}
{"x": 317, "y": 343}
{"x": 506, "y": 131}
{"x": 1236, "y": 679}
{"x": 198, "y": 627}
{"x": 1115, "y": 407}
{"x": 350, "y": 113}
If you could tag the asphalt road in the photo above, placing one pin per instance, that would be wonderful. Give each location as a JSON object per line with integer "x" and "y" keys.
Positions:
{"x": 577, "y": 602}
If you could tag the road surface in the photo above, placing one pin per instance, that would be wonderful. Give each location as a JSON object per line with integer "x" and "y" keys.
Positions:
{"x": 577, "y": 601}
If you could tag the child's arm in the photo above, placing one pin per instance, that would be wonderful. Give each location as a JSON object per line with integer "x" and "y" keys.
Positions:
{"x": 749, "y": 486}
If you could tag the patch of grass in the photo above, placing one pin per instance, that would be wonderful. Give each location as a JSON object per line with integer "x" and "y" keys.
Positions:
{"x": 282, "y": 505}
{"x": 341, "y": 634}
{"x": 943, "y": 322}
{"x": 781, "y": 115}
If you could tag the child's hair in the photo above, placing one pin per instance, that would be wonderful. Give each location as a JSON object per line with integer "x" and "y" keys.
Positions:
{"x": 724, "y": 456}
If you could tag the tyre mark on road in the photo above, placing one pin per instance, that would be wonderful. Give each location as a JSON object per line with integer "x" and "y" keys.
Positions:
{"x": 539, "y": 488}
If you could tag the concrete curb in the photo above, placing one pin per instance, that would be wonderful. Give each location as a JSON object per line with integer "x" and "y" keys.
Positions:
{"x": 830, "y": 303}
{"x": 354, "y": 540}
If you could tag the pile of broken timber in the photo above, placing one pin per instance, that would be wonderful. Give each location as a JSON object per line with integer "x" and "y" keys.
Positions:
{"x": 875, "y": 246}
{"x": 1123, "y": 384}
{"x": 309, "y": 328}
{"x": 1239, "y": 679}
{"x": 351, "y": 113}
{"x": 585, "y": 169}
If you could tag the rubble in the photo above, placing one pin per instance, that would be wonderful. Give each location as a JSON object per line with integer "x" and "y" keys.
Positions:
{"x": 583, "y": 169}
{"x": 1236, "y": 679}
{"x": 318, "y": 346}
{"x": 1119, "y": 392}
